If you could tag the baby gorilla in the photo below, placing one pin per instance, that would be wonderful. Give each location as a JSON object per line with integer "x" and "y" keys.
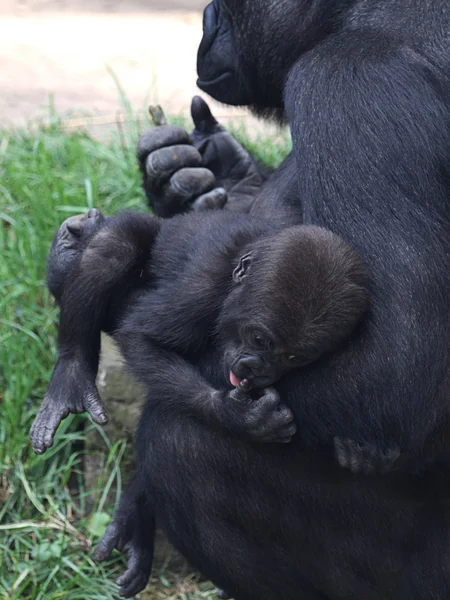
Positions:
{"x": 199, "y": 298}
{"x": 209, "y": 310}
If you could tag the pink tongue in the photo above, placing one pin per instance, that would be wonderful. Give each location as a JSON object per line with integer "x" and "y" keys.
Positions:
{"x": 235, "y": 381}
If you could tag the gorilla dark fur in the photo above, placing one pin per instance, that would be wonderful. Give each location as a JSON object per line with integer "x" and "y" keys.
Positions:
{"x": 365, "y": 88}
{"x": 263, "y": 301}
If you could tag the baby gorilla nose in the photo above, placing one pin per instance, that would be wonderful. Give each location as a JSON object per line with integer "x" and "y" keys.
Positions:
{"x": 93, "y": 213}
{"x": 249, "y": 367}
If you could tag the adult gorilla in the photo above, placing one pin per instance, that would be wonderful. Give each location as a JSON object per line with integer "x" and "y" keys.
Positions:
{"x": 365, "y": 87}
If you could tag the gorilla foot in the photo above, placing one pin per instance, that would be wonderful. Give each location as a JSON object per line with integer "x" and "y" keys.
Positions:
{"x": 119, "y": 536}
{"x": 136, "y": 577}
{"x": 72, "y": 390}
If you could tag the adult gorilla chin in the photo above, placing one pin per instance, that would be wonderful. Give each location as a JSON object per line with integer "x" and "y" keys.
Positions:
{"x": 365, "y": 88}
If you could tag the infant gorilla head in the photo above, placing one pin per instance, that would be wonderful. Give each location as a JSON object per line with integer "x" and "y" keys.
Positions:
{"x": 296, "y": 295}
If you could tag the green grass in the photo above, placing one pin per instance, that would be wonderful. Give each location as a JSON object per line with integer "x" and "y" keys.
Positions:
{"x": 46, "y": 529}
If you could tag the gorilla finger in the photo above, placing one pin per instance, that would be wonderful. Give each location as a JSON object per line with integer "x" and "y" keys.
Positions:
{"x": 162, "y": 164}
{"x": 353, "y": 456}
{"x": 203, "y": 118}
{"x": 33, "y": 426}
{"x": 284, "y": 414}
{"x": 272, "y": 431}
{"x": 123, "y": 546}
{"x": 390, "y": 459}
{"x": 288, "y": 431}
{"x": 213, "y": 200}
{"x": 187, "y": 184}
{"x": 94, "y": 407}
{"x": 131, "y": 572}
{"x": 138, "y": 584}
{"x": 107, "y": 543}
{"x": 283, "y": 435}
{"x": 272, "y": 394}
{"x": 44, "y": 429}
{"x": 270, "y": 402}
{"x": 340, "y": 450}
{"x": 161, "y": 137}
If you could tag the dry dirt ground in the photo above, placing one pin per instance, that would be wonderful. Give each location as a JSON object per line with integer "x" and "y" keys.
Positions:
{"x": 66, "y": 49}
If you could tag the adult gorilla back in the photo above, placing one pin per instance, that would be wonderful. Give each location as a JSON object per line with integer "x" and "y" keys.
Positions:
{"x": 365, "y": 87}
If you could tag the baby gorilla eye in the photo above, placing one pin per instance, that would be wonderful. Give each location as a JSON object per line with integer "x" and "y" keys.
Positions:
{"x": 257, "y": 340}
{"x": 260, "y": 342}
{"x": 292, "y": 358}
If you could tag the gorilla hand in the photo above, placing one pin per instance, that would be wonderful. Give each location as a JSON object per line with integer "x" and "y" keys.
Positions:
{"x": 234, "y": 168}
{"x": 263, "y": 419}
{"x": 197, "y": 172}
{"x": 72, "y": 390}
{"x": 364, "y": 458}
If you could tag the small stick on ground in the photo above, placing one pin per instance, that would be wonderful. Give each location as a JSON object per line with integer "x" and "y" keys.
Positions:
{"x": 157, "y": 115}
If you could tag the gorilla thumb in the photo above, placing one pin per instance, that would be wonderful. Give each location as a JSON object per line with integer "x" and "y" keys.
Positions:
{"x": 203, "y": 119}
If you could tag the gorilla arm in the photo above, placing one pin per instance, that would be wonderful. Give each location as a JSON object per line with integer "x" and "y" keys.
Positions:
{"x": 116, "y": 262}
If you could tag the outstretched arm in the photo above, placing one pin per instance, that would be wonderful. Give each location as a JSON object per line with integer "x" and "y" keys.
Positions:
{"x": 114, "y": 262}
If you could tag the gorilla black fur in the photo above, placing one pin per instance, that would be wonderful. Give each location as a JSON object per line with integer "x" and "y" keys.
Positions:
{"x": 365, "y": 88}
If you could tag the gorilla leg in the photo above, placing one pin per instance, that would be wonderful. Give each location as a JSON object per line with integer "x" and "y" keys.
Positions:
{"x": 113, "y": 262}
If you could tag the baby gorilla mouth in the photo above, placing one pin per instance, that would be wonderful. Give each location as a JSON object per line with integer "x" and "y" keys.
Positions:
{"x": 235, "y": 381}
{"x": 246, "y": 384}
{"x": 251, "y": 373}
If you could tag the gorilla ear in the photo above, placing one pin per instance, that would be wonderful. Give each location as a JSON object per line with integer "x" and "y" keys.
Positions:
{"x": 241, "y": 270}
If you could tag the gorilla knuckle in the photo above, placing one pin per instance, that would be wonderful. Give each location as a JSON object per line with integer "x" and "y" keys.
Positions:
{"x": 364, "y": 458}
{"x": 214, "y": 200}
{"x": 190, "y": 182}
{"x": 163, "y": 163}
{"x": 160, "y": 137}
{"x": 271, "y": 395}
{"x": 285, "y": 414}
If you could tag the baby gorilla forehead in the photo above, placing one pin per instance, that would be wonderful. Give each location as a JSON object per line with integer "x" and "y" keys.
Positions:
{"x": 304, "y": 282}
